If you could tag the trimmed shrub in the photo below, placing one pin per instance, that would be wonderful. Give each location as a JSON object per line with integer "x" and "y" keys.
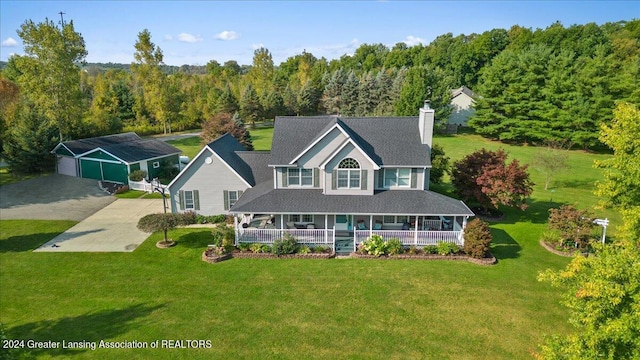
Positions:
{"x": 447, "y": 248}
{"x": 186, "y": 218}
{"x": 157, "y": 222}
{"x": 477, "y": 238}
{"x": 304, "y": 249}
{"x": 286, "y": 245}
{"x": 394, "y": 246}
{"x": 430, "y": 249}
{"x": 375, "y": 245}
{"x": 137, "y": 175}
{"x": 224, "y": 236}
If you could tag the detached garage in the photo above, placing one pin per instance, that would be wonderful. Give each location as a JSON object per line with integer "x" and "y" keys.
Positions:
{"x": 113, "y": 157}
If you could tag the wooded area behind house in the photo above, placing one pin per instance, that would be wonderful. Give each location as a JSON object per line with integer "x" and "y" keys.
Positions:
{"x": 533, "y": 86}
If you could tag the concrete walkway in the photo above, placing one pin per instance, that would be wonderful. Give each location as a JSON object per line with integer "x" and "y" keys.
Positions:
{"x": 112, "y": 229}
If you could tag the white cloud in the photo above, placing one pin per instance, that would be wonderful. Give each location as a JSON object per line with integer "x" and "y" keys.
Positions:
{"x": 413, "y": 40}
{"x": 227, "y": 35}
{"x": 10, "y": 42}
{"x": 184, "y": 37}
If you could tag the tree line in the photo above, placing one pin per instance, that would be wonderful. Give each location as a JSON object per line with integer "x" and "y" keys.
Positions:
{"x": 533, "y": 86}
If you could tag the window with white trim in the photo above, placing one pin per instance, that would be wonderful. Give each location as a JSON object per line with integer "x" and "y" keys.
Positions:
{"x": 189, "y": 203}
{"x": 389, "y": 219}
{"x": 307, "y": 218}
{"x": 397, "y": 178}
{"x": 300, "y": 177}
{"x": 233, "y": 197}
{"x": 156, "y": 164}
{"x": 348, "y": 174}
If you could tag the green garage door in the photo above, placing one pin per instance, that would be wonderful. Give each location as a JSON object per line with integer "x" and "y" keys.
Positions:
{"x": 115, "y": 172}
{"x": 90, "y": 169}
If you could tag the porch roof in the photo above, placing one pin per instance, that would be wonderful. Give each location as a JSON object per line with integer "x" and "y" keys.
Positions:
{"x": 263, "y": 199}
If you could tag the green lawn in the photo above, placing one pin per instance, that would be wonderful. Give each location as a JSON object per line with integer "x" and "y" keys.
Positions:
{"x": 190, "y": 146}
{"x": 261, "y": 137}
{"x": 290, "y": 309}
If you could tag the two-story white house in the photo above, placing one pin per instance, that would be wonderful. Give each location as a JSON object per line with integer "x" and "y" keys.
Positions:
{"x": 328, "y": 180}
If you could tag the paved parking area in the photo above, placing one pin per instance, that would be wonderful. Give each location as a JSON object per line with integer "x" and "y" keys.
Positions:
{"x": 52, "y": 197}
{"x": 112, "y": 229}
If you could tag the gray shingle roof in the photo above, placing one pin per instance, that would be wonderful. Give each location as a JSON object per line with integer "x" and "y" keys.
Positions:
{"x": 258, "y": 161}
{"x": 141, "y": 149}
{"x": 81, "y": 146}
{"x": 128, "y": 147}
{"x": 252, "y": 166}
{"x": 388, "y": 141}
{"x": 266, "y": 200}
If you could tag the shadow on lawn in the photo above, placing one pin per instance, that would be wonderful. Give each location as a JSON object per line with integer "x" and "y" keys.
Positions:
{"x": 92, "y": 327}
{"x": 504, "y": 246}
{"x": 196, "y": 239}
{"x": 537, "y": 212}
{"x": 28, "y": 242}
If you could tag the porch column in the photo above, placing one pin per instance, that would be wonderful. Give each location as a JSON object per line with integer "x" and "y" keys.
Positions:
{"x": 326, "y": 224}
{"x": 415, "y": 235}
{"x": 235, "y": 228}
{"x": 370, "y": 225}
{"x": 281, "y": 225}
{"x": 464, "y": 222}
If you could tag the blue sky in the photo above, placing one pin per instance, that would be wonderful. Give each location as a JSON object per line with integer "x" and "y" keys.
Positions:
{"x": 195, "y": 32}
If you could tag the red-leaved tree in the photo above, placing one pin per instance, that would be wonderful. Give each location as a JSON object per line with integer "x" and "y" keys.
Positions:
{"x": 222, "y": 123}
{"x": 484, "y": 176}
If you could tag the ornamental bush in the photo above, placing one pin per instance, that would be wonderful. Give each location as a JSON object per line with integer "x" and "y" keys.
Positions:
{"x": 394, "y": 246}
{"x": 447, "y": 248}
{"x": 477, "y": 238}
{"x": 137, "y": 175}
{"x": 375, "y": 245}
{"x": 224, "y": 237}
{"x": 286, "y": 245}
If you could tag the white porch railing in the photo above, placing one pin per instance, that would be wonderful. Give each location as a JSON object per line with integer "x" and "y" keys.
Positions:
{"x": 411, "y": 237}
{"x": 303, "y": 236}
{"x": 433, "y": 224}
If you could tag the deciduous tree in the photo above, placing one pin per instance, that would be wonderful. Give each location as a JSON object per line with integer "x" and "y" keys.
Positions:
{"x": 484, "y": 176}
{"x": 49, "y": 72}
{"x": 222, "y": 123}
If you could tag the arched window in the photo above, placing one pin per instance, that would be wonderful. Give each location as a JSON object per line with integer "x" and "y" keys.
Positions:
{"x": 349, "y": 174}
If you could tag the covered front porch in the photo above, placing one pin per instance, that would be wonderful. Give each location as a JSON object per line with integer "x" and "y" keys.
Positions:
{"x": 343, "y": 232}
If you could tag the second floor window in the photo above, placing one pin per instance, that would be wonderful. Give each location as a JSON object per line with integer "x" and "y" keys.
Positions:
{"x": 348, "y": 174}
{"x": 397, "y": 178}
{"x": 300, "y": 177}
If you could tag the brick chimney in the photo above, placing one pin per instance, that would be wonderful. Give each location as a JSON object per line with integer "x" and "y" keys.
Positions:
{"x": 426, "y": 120}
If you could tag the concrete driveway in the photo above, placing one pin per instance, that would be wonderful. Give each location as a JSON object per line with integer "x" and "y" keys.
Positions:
{"x": 52, "y": 197}
{"x": 112, "y": 229}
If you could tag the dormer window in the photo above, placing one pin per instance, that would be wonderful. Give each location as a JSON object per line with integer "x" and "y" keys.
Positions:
{"x": 300, "y": 177}
{"x": 349, "y": 174}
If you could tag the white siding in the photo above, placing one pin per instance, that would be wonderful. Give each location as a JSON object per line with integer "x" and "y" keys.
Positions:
{"x": 351, "y": 152}
{"x": 210, "y": 180}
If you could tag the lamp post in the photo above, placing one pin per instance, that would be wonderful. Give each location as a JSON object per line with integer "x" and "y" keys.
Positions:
{"x": 161, "y": 190}
{"x": 603, "y": 223}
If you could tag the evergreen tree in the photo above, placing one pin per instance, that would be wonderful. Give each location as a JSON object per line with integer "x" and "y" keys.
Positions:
{"x": 349, "y": 95}
{"x": 422, "y": 83}
{"x": 30, "y": 140}
{"x": 250, "y": 107}
{"x": 223, "y": 123}
{"x": 366, "y": 89}
{"x": 332, "y": 95}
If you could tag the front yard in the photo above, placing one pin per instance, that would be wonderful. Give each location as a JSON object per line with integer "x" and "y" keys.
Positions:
{"x": 257, "y": 308}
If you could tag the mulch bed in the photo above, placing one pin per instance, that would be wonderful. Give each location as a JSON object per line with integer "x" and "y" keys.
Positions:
{"x": 571, "y": 253}
{"x": 489, "y": 260}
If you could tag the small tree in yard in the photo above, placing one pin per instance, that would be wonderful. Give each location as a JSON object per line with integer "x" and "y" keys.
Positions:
{"x": 158, "y": 222}
{"x": 485, "y": 177}
{"x": 439, "y": 164}
{"x": 477, "y": 238}
{"x": 223, "y": 123}
{"x": 550, "y": 161}
{"x": 574, "y": 225}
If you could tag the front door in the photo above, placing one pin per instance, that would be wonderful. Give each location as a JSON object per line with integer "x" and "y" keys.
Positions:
{"x": 344, "y": 222}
